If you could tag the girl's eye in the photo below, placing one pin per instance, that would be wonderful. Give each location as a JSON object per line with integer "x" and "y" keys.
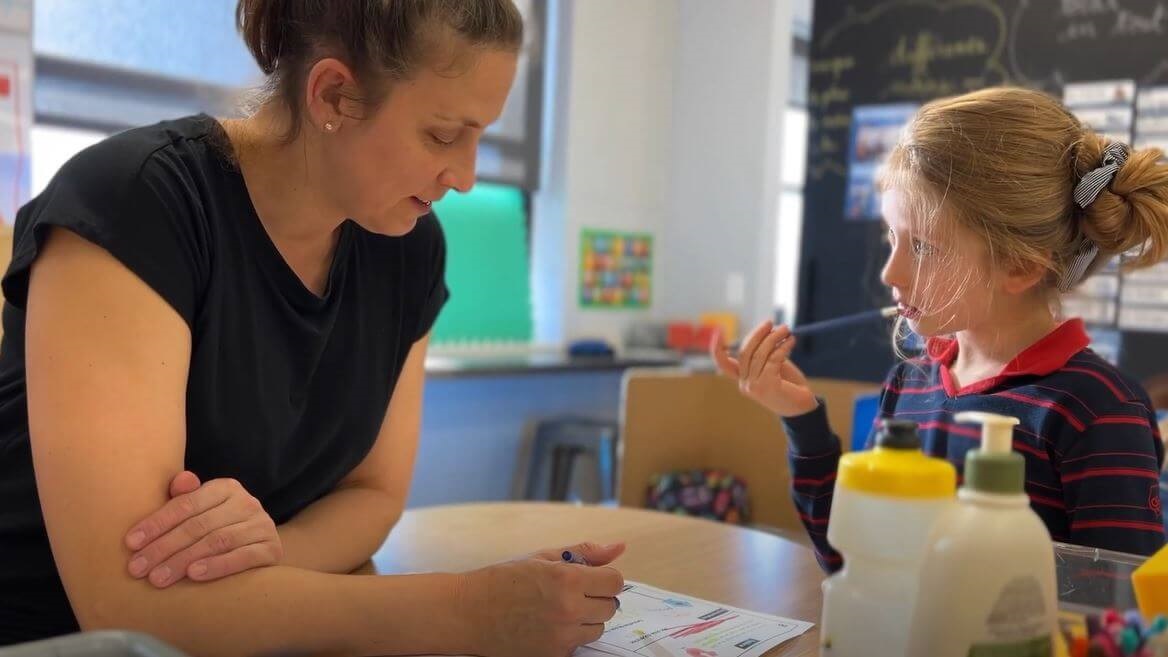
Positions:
{"x": 441, "y": 140}
{"x": 889, "y": 237}
{"x": 923, "y": 249}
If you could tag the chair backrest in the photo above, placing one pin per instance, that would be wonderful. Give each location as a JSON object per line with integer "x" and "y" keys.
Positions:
{"x": 677, "y": 419}
{"x": 5, "y": 251}
{"x": 867, "y": 407}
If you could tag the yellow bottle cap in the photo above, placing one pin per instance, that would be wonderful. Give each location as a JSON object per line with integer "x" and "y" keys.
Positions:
{"x": 897, "y": 473}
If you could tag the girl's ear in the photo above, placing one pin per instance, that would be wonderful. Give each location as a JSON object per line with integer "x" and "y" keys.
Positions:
{"x": 1022, "y": 277}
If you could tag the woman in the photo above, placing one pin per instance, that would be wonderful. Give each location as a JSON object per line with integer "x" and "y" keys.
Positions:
{"x": 252, "y": 300}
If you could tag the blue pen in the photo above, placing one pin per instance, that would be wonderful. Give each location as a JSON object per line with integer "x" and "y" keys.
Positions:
{"x": 571, "y": 557}
{"x": 837, "y": 323}
{"x": 849, "y": 320}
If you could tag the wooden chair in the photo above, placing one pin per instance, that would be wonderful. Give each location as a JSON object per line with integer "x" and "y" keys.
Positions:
{"x": 677, "y": 419}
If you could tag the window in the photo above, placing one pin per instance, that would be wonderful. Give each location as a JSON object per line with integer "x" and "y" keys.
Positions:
{"x": 789, "y": 222}
{"x": 193, "y": 41}
{"x": 52, "y": 146}
{"x": 142, "y": 61}
{"x": 145, "y": 61}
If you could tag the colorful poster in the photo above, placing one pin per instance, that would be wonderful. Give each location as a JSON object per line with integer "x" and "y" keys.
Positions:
{"x": 616, "y": 269}
{"x": 875, "y": 131}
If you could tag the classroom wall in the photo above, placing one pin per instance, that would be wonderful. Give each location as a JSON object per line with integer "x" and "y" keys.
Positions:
{"x": 665, "y": 117}
{"x": 607, "y": 149}
{"x": 732, "y": 71}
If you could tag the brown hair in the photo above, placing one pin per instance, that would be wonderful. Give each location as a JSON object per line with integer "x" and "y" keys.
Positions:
{"x": 382, "y": 41}
{"x": 1003, "y": 162}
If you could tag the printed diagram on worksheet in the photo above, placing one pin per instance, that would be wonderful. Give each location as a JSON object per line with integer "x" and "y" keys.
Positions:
{"x": 656, "y": 623}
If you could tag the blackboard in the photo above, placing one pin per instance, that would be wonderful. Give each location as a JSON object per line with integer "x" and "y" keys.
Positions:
{"x": 869, "y": 52}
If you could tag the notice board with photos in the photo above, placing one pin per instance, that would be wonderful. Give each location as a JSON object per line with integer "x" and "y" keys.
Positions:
{"x": 874, "y": 61}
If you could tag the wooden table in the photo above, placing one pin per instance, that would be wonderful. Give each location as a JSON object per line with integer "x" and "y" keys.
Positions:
{"x": 722, "y": 563}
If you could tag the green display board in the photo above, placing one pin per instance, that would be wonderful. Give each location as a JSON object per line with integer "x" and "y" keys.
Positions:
{"x": 487, "y": 266}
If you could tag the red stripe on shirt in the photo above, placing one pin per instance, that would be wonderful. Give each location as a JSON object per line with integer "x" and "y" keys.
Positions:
{"x": 1110, "y": 506}
{"x": 1094, "y": 454}
{"x": 1125, "y": 395}
{"x": 968, "y": 432}
{"x": 802, "y": 457}
{"x": 1031, "y": 482}
{"x": 1111, "y": 472}
{"x": 1117, "y": 524}
{"x": 1029, "y": 449}
{"x": 1106, "y": 381}
{"x": 1054, "y": 406}
{"x": 812, "y": 519}
{"x": 1122, "y": 419}
{"x": 1047, "y": 501}
{"x": 1066, "y": 393}
{"x": 807, "y": 481}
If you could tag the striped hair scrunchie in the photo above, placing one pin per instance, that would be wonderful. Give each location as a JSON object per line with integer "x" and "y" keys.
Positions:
{"x": 1096, "y": 179}
{"x": 1093, "y": 182}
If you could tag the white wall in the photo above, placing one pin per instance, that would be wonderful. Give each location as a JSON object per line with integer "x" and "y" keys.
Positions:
{"x": 729, "y": 94}
{"x": 666, "y": 118}
{"x": 607, "y": 154}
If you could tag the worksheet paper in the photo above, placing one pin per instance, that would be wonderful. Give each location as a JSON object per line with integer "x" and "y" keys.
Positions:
{"x": 656, "y": 623}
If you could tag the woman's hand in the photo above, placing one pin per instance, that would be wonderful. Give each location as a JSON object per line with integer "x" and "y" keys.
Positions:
{"x": 205, "y": 532}
{"x": 541, "y": 605}
{"x": 764, "y": 370}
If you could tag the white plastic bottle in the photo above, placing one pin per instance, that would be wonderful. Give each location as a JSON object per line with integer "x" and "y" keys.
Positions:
{"x": 885, "y": 503}
{"x": 988, "y": 578}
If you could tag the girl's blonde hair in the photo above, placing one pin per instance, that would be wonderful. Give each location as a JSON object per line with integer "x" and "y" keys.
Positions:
{"x": 1003, "y": 162}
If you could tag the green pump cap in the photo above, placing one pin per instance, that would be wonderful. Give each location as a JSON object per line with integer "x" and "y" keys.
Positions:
{"x": 995, "y": 467}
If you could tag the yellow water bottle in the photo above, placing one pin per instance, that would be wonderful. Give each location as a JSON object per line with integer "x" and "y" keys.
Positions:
{"x": 885, "y": 503}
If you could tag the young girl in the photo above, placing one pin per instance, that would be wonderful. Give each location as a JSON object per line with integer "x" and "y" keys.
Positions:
{"x": 995, "y": 203}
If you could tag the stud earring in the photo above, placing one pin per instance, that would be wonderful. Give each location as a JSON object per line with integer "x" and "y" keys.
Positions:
{"x": 329, "y": 126}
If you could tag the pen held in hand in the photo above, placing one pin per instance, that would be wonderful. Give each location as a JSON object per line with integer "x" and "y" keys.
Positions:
{"x": 846, "y": 320}
{"x": 838, "y": 322}
{"x": 572, "y": 557}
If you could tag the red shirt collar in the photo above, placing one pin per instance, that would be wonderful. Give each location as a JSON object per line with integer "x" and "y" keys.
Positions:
{"x": 1050, "y": 353}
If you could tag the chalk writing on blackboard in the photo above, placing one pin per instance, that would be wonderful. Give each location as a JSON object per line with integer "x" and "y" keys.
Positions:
{"x": 1090, "y": 19}
{"x": 825, "y": 146}
{"x": 922, "y": 50}
{"x": 1055, "y": 43}
{"x": 900, "y": 50}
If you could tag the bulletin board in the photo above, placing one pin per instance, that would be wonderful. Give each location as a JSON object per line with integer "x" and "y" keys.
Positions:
{"x": 885, "y": 54}
{"x": 616, "y": 269}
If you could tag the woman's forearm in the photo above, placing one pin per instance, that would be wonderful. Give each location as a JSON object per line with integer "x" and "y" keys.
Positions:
{"x": 340, "y": 531}
{"x": 292, "y": 611}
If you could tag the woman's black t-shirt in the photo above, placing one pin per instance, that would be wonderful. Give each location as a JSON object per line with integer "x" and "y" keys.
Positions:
{"x": 287, "y": 389}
